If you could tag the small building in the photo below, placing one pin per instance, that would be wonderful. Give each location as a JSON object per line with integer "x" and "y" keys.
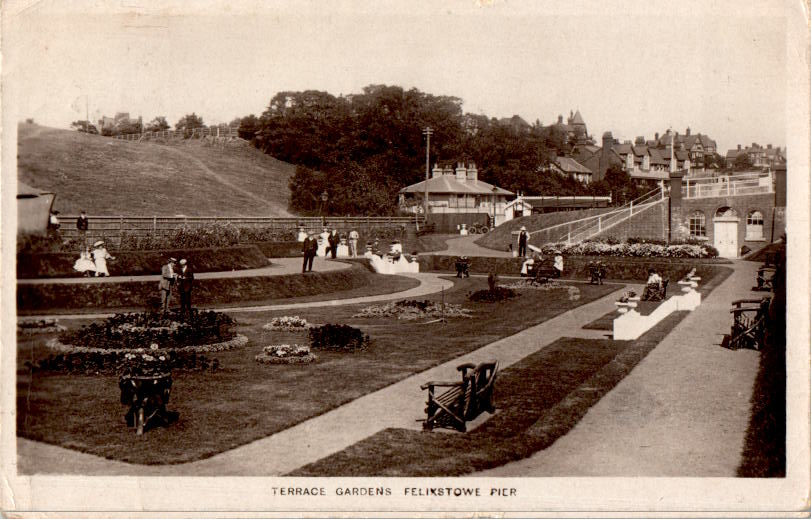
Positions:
{"x": 456, "y": 196}
{"x": 33, "y": 209}
{"x": 571, "y": 168}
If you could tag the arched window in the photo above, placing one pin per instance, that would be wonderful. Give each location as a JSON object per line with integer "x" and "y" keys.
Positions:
{"x": 754, "y": 226}
{"x": 698, "y": 224}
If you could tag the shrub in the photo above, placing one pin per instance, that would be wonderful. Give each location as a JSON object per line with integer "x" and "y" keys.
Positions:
{"x": 101, "y": 364}
{"x": 337, "y": 337}
{"x": 493, "y": 295}
{"x": 638, "y": 249}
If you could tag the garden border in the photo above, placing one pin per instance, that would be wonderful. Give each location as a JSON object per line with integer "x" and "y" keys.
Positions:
{"x": 237, "y": 341}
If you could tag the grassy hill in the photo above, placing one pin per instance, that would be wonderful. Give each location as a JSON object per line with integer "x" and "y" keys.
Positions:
{"x": 105, "y": 176}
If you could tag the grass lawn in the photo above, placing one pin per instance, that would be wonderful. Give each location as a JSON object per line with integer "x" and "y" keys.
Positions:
{"x": 244, "y": 400}
{"x": 538, "y": 400}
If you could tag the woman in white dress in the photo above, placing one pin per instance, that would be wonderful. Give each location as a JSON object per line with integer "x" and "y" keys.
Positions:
{"x": 84, "y": 264}
{"x": 323, "y": 243}
{"x": 100, "y": 257}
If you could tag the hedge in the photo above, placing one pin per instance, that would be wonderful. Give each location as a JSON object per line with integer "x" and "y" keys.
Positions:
{"x": 131, "y": 295}
{"x": 140, "y": 263}
{"x": 577, "y": 267}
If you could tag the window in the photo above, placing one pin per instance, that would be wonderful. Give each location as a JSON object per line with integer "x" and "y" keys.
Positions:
{"x": 754, "y": 226}
{"x": 698, "y": 225}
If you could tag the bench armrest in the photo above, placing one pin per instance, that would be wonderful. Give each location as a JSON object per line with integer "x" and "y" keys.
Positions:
{"x": 440, "y": 384}
{"x": 466, "y": 365}
{"x": 742, "y": 301}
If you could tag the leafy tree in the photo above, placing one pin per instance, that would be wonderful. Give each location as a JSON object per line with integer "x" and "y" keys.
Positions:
{"x": 84, "y": 126}
{"x": 158, "y": 124}
{"x": 188, "y": 123}
{"x": 620, "y": 185}
{"x": 742, "y": 162}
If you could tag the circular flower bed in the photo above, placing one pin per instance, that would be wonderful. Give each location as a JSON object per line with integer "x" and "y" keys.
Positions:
{"x": 493, "y": 295}
{"x": 39, "y": 326}
{"x": 410, "y": 310}
{"x": 196, "y": 331}
{"x": 338, "y": 337}
{"x": 287, "y": 323}
{"x": 285, "y": 354}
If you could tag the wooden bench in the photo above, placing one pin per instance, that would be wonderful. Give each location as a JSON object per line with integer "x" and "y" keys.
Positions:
{"x": 426, "y": 229}
{"x": 542, "y": 273}
{"x": 462, "y": 267}
{"x": 596, "y": 273}
{"x": 463, "y": 400}
{"x": 749, "y": 322}
{"x": 765, "y": 277}
{"x": 656, "y": 292}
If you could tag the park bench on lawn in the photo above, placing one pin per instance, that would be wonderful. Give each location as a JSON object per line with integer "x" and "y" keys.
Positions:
{"x": 750, "y": 318}
{"x": 541, "y": 272}
{"x": 463, "y": 400}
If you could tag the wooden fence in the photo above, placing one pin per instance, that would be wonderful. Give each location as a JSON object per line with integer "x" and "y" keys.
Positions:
{"x": 113, "y": 227}
{"x": 226, "y": 132}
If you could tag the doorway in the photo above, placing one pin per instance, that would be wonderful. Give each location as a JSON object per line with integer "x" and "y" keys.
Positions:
{"x": 725, "y": 232}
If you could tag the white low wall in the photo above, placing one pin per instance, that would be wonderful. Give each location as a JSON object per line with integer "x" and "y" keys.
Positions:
{"x": 631, "y": 325}
{"x": 388, "y": 266}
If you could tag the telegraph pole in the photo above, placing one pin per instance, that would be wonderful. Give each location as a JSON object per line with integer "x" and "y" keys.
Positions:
{"x": 427, "y": 131}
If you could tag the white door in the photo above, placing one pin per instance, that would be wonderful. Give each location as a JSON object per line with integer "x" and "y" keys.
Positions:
{"x": 726, "y": 236}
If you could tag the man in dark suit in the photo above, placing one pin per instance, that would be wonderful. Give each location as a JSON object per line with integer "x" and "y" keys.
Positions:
{"x": 334, "y": 240}
{"x": 81, "y": 225}
{"x": 522, "y": 242}
{"x": 185, "y": 280}
{"x": 168, "y": 278}
{"x": 309, "y": 247}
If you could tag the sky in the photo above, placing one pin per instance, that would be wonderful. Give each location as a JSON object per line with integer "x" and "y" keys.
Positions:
{"x": 632, "y": 68}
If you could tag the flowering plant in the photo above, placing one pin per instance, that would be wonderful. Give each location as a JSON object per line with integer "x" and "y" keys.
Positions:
{"x": 147, "y": 362}
{"x": 409, "y": 310}
{"x": 287, "y": 322}
{"x": 285, "y": 354}
{"x": 635, "y": 249}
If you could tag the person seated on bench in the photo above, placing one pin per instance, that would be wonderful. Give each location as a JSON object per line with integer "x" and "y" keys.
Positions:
{"x": 653, "y": 288}
{"x": 529, "y": 265}
{"x": 558, "y": 264}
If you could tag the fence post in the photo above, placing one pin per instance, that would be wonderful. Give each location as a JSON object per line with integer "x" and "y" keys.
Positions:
{"x": 120, "y": 230}
{"x": 154, "y": 225}
{"x": 600, "y": 224}
{"x": 632, "y": 208}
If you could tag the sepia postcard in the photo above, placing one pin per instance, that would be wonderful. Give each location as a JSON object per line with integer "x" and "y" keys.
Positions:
{"x": 469, "y": 258}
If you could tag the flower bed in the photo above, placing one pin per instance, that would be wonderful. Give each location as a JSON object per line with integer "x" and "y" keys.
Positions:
{"x": 112, "y": 362}
{"x": 40, "y": 326}
{"x": 172, "y": 330}
{"x": 574, "y": 292}
{"x": 285, "y": 354}
{"x": 410, "y": 310}
{"x": 288, "y": 323}
{"x": 493, "y": 295}
{"x": 337, "y": 337}
{"x": 639, "y": 250}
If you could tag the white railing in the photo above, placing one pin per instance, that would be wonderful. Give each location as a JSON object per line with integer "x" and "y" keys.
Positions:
{"x": 595, "y": 225}
{"x": 733, "y": 185}
{"x": 229, "y": 131}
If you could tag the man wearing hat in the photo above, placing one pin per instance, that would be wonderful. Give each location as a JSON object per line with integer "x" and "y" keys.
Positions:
{"x": 168, "y": 277}
{"x": 81, "y": 226}
{"x": 185, "y": 279}
{"x": 309, "y": 247}
{"x": 522, "y": 242}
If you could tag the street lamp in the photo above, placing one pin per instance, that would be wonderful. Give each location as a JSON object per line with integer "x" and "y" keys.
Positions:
{"x": 324, "y": 198}
{"x": 427, "y": 131}
{"x": 495, "y": 190}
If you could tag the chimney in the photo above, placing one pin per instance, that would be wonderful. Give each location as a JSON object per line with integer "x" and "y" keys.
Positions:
{"x": 768, "y": 146}
{"x": 448, "y": 170}
{"x": 560, "y": 119}
{"x": 437, "y": 171}
{"x": 472, "y": 172}
{"x": 739, "y": 146}
{"x": 687, "y": 131}
{"x": 605, "y": 155}
{"x": 461, "y": 172}
{"x": 656, "y": 137}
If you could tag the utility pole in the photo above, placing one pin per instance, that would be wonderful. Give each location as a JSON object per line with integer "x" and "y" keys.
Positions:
{"x": 427, "y": 131}
{"x": 86, "y": 113}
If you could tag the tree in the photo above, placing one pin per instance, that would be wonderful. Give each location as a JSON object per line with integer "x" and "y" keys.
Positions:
{"x": 84, "y": 126}
{"x": 248, "y": 126}
{"x": 158, "y": 124}
{"x": 742, "y": 162}
{"x": 188, "y": 123}
{"x": 619, "y": 183}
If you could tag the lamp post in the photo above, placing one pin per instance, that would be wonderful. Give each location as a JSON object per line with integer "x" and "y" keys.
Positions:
{"x": 427, "y": 131}
{"x": 495, "y": 190}
{"x": 324, "y": 198}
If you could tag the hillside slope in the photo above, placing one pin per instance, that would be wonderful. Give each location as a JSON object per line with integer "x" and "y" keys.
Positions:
{"x": 106, "y": 176}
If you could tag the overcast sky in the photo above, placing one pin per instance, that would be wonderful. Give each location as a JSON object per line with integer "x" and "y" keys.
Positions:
{"x": 633, "y": 68}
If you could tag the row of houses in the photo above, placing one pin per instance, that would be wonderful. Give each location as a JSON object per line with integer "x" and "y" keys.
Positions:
{"x": 758, "y": 156}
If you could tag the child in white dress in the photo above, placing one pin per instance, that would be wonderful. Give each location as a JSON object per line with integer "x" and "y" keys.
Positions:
{"x": 100, "y": 257}
{"x": 84, "y": 264}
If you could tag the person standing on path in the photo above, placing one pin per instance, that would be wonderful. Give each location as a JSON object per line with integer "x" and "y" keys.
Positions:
{"x": 100, "y": 257}
{"x": 168, "y": 277}
{"x": 353, "y": 243}
{"x": 185, "y": 280}
{"x": 81, "y": 226}
{"x": 334, "y": 240}
{"x": 558, "y": 264}
{"x": 309, "y": 248}
{"x": 522, "y": 242}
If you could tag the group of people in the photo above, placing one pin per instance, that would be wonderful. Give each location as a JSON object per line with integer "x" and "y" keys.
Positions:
{"x": 93, "y": 262}
{"x": 326, "y": 244}
{"x": 173, "y": 276}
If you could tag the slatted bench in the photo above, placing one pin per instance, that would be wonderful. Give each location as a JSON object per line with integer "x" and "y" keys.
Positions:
{"x": 765, "y": 278}
{"x": 656, "y": 292}
{"x": 541, "y": 273}
{"x": 463, "y": 400}
{"x": 749, "y": 322}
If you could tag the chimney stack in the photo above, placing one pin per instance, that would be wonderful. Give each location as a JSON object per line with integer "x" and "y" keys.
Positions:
{"x": 560, "y": 119}
{"x": 739, "y": 146}
{"x": 472, "y": 172}
{"x": 768, "y": 146}
{"x": 461, "y": 172}
{"x": 437, "y": 171}
{"x": 687, "y": 131}
{"x": 656, "y": 137}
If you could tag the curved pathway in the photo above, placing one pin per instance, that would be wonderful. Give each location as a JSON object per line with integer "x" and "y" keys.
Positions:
{"x": 466, "y": 246}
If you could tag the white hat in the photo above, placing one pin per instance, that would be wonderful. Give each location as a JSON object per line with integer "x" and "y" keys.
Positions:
{"x": 183, "y": 261}
{"x": 523, "y": 228}
{"x": 98, "y": 243}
